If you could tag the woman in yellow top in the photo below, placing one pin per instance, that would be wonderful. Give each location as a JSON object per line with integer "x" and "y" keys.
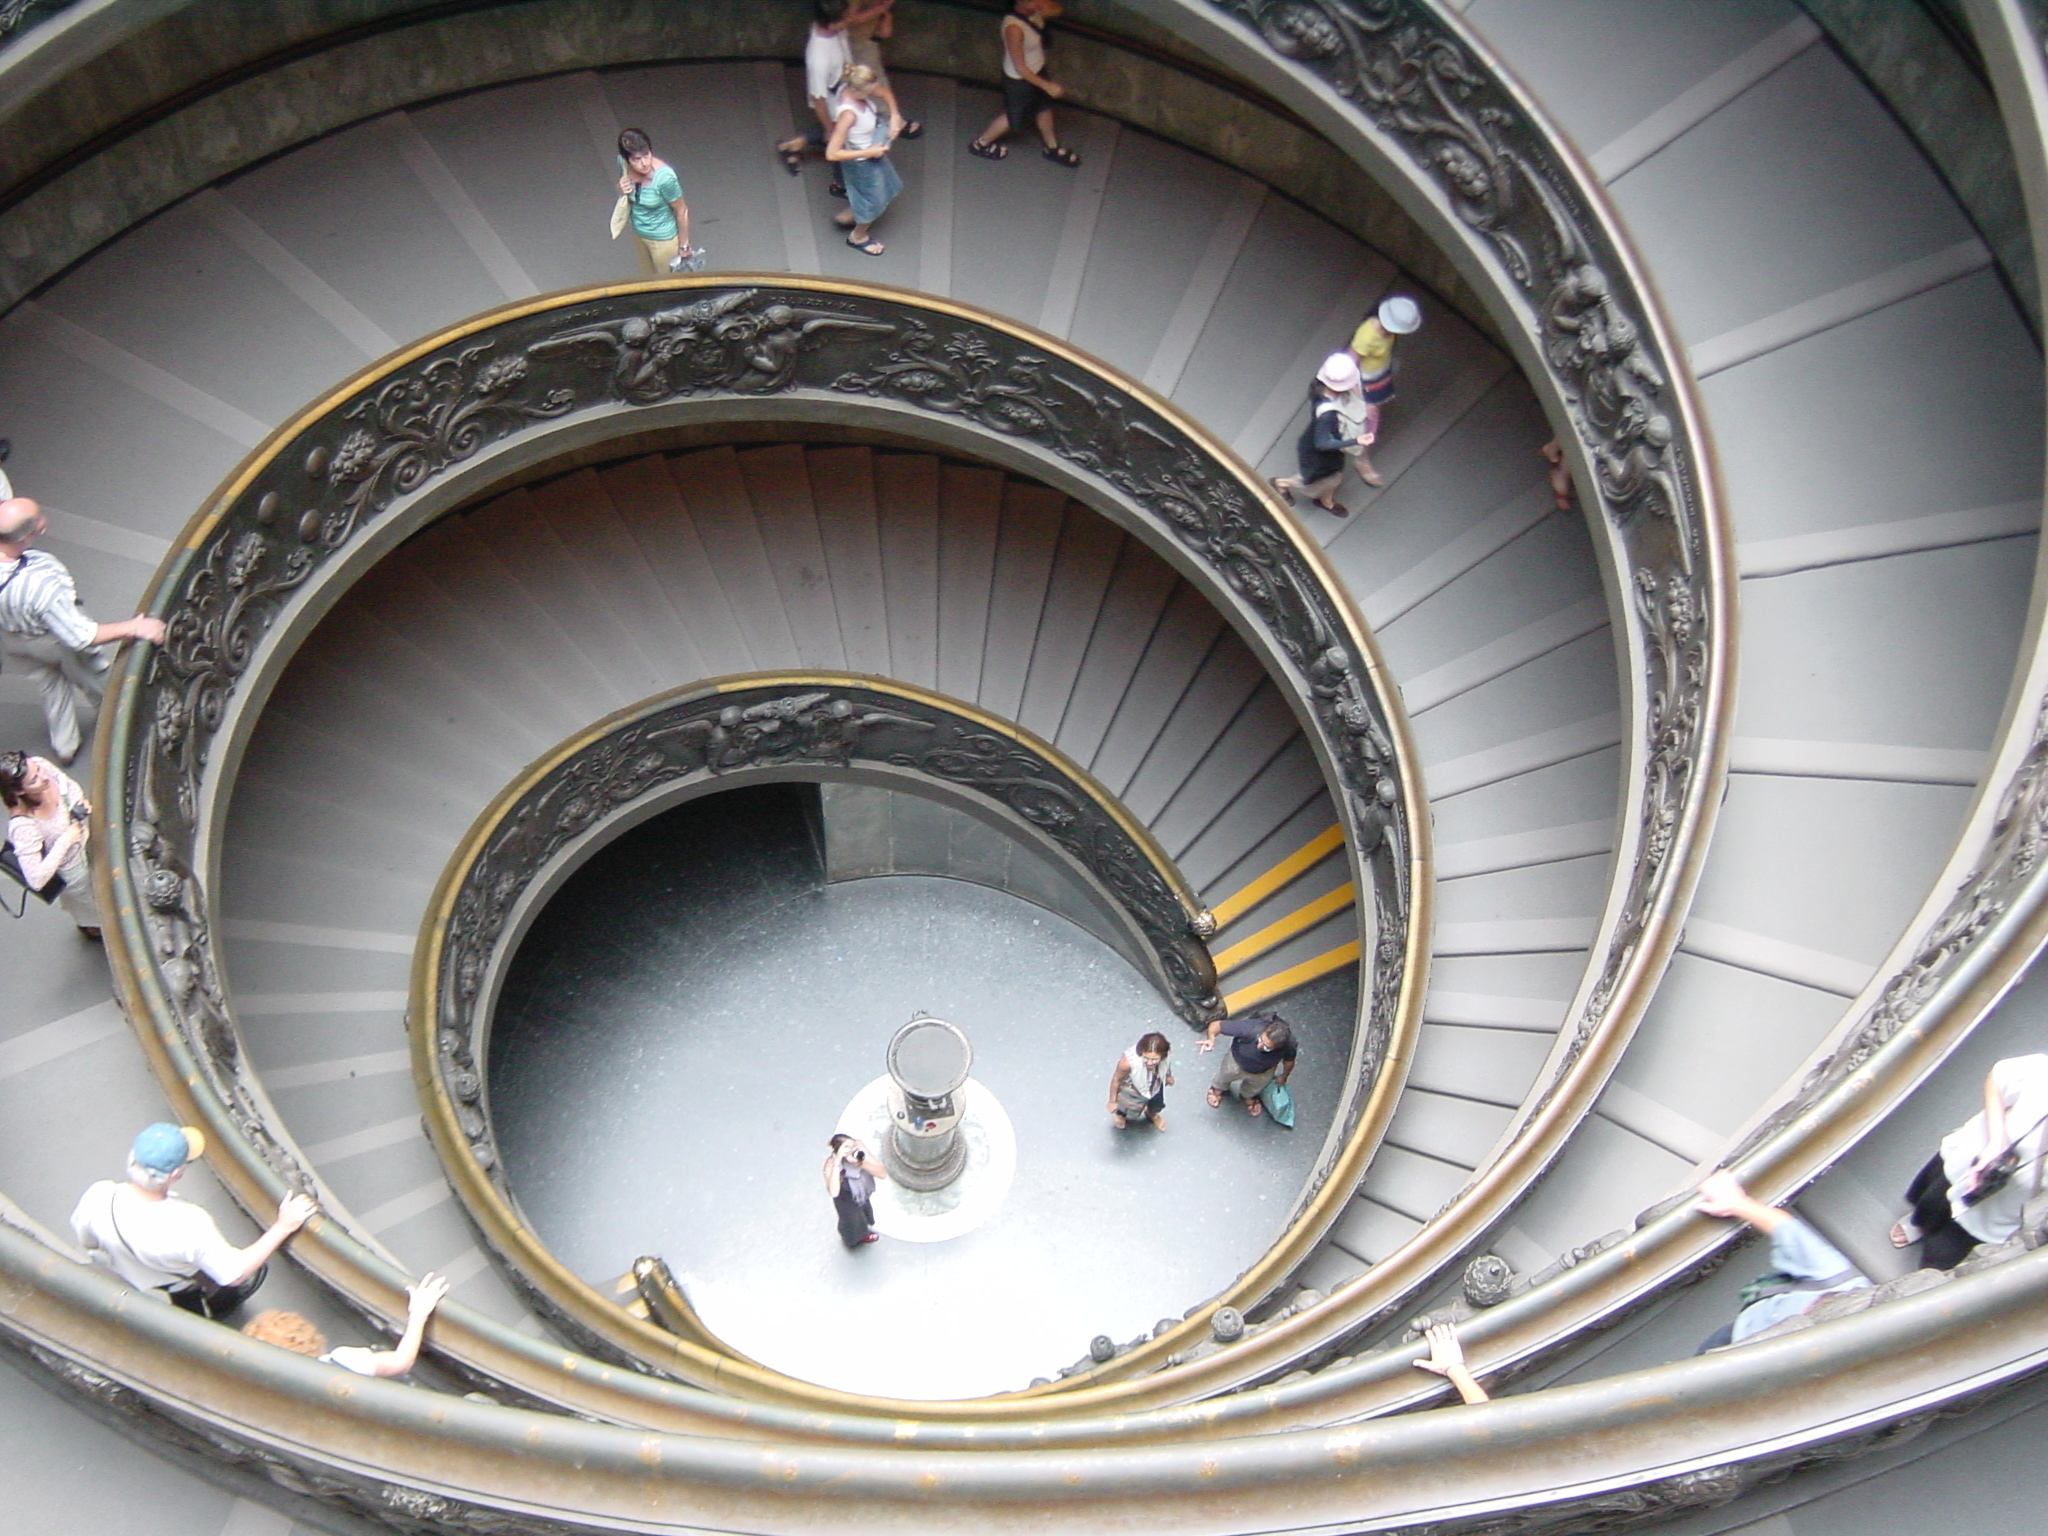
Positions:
{"x": 1372, "y": 344}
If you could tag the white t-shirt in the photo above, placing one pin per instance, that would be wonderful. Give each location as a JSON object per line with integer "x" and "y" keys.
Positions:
{"x": 352, "y": 1357}
{"x": 151, "y": 1243}
{"x": 826, "y": 57}
{"x": 1032, "y": 45}
{"x": 2022, "y": 1082}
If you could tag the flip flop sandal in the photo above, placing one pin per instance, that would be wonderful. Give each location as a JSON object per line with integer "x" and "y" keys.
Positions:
{"x": 912, "y": 130}
{"x": 1120, "y": 1122}
{"x": 792, "y": 160}
{"x": 844, "y": 219}
{"x": 868, "y": 247}
{"x": 1254, "y": 1108}
{"x": 1905, "y": 1232}
{"x": 838, "y": 188}
{"x": 1059, "y": 154}
{"x": 1215, "y": 1098}
{"x": 989, "y": 151}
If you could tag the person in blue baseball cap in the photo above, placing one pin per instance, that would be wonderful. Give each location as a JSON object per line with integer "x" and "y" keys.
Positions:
{"x": 155, "y": 1241}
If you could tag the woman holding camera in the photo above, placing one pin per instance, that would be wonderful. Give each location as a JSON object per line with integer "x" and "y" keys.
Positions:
{"x": 46, "y": 832}
{"x": 850, "y": 1175}
{"x": 1973, "y": 1190}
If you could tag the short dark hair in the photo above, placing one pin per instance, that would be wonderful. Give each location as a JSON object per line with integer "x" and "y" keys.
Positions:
{"x": 13, "y": 776}
{"x": 825, "y": 12}
{"x": 1154, "y": 1042}
{"x": 633, "y": 142}
{"x": 1276, "y": 1032}
{"x": 839, "y": 1140}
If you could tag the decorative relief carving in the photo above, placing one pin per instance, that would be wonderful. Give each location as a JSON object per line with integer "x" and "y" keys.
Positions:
{"x": 777, "y": 726}
{"x": 1433, "y": 100}
{"x": 323, "y": 488}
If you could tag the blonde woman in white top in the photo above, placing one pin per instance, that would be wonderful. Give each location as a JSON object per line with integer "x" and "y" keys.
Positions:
{"x": 1028, "y": 92}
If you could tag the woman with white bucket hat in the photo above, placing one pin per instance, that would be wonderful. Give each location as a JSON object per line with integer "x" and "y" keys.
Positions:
{"x": 1335, "y": 432}
{"x": 1372, "y": 347}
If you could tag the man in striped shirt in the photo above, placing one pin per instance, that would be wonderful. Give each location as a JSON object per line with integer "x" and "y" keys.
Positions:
{"x": 44, "y": 633}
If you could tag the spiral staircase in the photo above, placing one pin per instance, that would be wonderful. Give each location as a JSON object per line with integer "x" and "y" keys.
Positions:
{"x": 1842, "y": 352}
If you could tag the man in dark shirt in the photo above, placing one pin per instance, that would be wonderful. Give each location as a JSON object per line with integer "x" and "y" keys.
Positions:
{"x": 1260, "y": 1046}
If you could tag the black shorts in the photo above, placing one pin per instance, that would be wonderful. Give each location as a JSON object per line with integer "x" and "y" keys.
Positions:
{"x": 1022, "y": 101}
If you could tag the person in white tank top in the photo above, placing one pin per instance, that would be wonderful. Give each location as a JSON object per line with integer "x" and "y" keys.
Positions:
{"x": 859, "y": 146}
{"x": 1028, "y": 92}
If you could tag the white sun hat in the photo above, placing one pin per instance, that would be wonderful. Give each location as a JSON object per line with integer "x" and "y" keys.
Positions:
{"x": 1400, "y": 315}
{"x": 1339, "y": 372}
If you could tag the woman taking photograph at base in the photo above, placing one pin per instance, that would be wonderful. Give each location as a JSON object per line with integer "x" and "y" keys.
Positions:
{"x": 860, "y": 148}
{"x": 1137, "y": 1088}
{"x": 654, "y": 201}
{"x": 46, "y": 816}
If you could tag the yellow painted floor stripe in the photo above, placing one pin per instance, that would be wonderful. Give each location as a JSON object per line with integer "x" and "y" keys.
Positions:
{"x": 1310, "y": 854}
{"x": 1273, "y": 934}
{"x": 1294, "y": 976}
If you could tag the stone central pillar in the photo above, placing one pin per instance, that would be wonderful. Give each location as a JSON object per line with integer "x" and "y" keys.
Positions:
{"x": 928, "y": 1064}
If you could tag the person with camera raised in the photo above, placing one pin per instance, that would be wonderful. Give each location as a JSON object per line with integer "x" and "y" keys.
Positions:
{"x": 850, "y": 1175}
{"x": 1805, "y": 1269}
{"x": 1974, "y": 1188}
{"x": 46, "y": 834}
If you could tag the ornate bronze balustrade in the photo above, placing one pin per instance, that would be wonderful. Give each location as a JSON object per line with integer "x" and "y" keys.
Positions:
{"x": 446, "y": 419}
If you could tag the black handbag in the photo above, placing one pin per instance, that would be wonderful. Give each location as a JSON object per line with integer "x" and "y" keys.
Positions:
{"x": 1998, "y": 1173}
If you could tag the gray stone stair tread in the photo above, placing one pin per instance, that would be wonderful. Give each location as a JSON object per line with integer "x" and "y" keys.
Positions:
{"x": 1220, "y": 688}
{"x": 1410, "y": 1183}
{"x": 1763, "y": 1029}
{"x": 1604, "y": 1178}
{"x": 517, "y": 535}
{"x": 1078, "y": 599}
{"x": 1009, "y": 215}
{"x": 1922, "y": 647}
{"x": 1293, "y": 268}
{"x": 843, "y": 491}
{"x": 1562, "y": 687}
{"x": 1602, "y": 66}
{"x": 198, "y": 325}
{"x": 1367, "y": 1230}
{"x": 523, "y": 155}
{"x": 1836, "y": 431}
{"x": 658, "y": 511}
{"x": 1142, "y": 584}
{"x": 1143, "y": 257}
{"x": 271, "y": 881}
{"x": 1564, "y": 887}
{"x": 1485, "y": 456}
{"x": 388, "y": 650}
{"x": 1723, "y": 217}
{"x": 350, "y": 209}
{"x": 567, "y": 542}
{"x": 272, "y": 965}
{"x": 619, "y": 566}
{"x": 1260, "y": 731}
{"x": 1187, "y": 629}
{"x": 907, "y": 519}
{"x": 168, "y": 463}
{"x": 332, "y": 1110}
{"x": 441, "y": 615}
{"x": 1497, "y": 1066}
{"x": 1563, "y": 794}
{"x": 716, "y": 495}
{"x": 1275, "y": 796}
{"x": 1447, "y": 1127}
{"x": 1286, "y": 835}
{"x": 779, "y": 490}
{"x": 1026, "y": 545}
{"x": 649, "y": 510}
{"x": 1834, "y": 865}
{"x": 1540, "y": 576}
{"x": 971, "y": 508}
